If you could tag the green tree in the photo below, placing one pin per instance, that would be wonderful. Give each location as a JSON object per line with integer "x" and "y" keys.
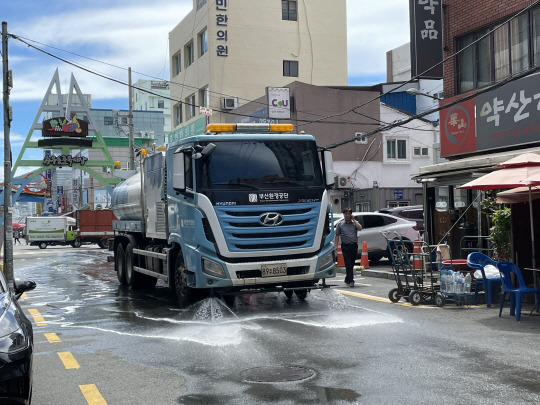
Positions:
{"x": 500, "y": 233}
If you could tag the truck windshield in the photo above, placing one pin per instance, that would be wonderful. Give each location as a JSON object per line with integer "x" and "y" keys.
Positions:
{"x": 262, "y": 164}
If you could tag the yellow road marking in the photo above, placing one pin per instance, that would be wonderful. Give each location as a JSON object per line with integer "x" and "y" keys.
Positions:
{"x": 373, "y": 298}
{"x": 23, "y": 296}
{"x": 52, "y": 337}
{"x": 92, "y": 395}
{"x": 38, "y": 319}
{"x": 68, "y": 360}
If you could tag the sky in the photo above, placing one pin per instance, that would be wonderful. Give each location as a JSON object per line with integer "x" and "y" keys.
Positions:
{"x": 134, "y": 33}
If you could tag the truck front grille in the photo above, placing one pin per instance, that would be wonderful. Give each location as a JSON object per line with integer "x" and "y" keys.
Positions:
{"x": 244, "y": 232}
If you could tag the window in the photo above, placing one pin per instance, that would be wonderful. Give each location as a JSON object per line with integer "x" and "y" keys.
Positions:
{"x": 418, "y": 151}
{"x": 203, "y": 42}
{"x": 504, "y": 52}
{"x": 178, "y": 114}
{"x": 177, "y": 63}
{"x": 200, "y": 4}
{"x": 189, "y": 170}
{"x": 288, "y": 10}
{"x": 190, "y": 107}
{"x": 124, "y": 120}
{"x": 189, "y": 54}
{"x": 108, "y": 120}
{"x": 290, "y": 68}
{"x": 395, "y": 204}
{"x": 160, "y": 104}
{"x": 396, "y": 149}
{"x": 360, "y": 138}
{"x": 519, "y": 43}
{"x": 204, "y": 97}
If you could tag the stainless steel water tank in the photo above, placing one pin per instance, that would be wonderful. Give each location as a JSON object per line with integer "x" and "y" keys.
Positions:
{"x": 126, "y": 199}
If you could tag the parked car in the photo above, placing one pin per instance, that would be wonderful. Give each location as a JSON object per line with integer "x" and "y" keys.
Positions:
{"x": 410, "y": 212}
{"x": 16, "y": 345}
{"x": 372, "y": 225}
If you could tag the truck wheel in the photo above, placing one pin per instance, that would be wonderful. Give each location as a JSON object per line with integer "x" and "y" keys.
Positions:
{"x": 42, "y": 245}
{"x": 132, "y": 277}
{"x": 301, "y": 294}
{"x": 103, "y": 243}
{"x": 183, "y": 292}
{"x": 120, "y": 264}
{"x": 76, "y": 243}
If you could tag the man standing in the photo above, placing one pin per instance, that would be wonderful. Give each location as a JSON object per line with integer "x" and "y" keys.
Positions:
{"x": 346, "y": 229}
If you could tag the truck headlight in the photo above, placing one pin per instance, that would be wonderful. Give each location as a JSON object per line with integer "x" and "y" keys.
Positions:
{"x": 327, "y": 260}
{"x": 213, "y": 268}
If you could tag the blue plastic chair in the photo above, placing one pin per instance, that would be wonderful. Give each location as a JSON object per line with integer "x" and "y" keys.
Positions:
{"x": 516, "y": 293}
{"x": 477, "y": 261}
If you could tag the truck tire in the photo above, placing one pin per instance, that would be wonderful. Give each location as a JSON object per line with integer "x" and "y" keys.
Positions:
{"x": 103, "y": 243}
{"x": 132, "y": 277}
{"x": 120, "y": 264}
{"x": 42, "y": 245}
{"x": 76, "y": 243}
{"x": 184, "y": 294}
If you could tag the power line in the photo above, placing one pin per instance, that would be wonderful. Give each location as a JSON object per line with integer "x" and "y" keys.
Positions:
{"x": 30, "y": 43}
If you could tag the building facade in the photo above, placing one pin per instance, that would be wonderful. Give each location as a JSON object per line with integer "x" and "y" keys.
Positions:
{"x": 220, "y": 48}
{"x": 491, "y": 85}
{"x": 153, "y": 95}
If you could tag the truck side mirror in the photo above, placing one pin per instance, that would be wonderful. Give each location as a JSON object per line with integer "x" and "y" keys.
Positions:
{"x": 178, "y": 172}
{"x": 328, "y": 163}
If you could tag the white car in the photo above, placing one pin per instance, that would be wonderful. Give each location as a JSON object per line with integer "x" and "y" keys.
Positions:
{"x": 372, "y": 225}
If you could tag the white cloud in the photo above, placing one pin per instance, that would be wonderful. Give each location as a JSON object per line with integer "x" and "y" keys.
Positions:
{"x": 373, "y": 28}
{"x": 133, "y": 36}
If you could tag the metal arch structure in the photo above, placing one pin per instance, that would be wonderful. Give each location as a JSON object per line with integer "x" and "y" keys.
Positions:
{"x": 76, "y": 103}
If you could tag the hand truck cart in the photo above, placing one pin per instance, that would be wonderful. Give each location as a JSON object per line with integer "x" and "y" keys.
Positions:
{"x": 414, "y": 283}
{"x": 451, "y": 289}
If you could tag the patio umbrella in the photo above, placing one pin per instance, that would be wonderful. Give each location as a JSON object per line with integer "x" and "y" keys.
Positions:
{"x": 517, "y": 195}
{"x": 17, "y": 225}
{"x": 519, "y": 171}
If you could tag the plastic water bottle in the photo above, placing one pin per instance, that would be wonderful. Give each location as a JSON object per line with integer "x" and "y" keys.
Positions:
{"x": 443, "y": 280}
{"x": 460, "y": 284}
{"x": 452, "y": 282}
{"x": 468, "y": 283}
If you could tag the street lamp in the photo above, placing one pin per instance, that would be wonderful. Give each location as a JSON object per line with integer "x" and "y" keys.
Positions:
{"x": 416, "y": 92}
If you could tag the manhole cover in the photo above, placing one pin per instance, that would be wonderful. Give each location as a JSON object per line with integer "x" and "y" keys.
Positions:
{"x": 276, "y": 374}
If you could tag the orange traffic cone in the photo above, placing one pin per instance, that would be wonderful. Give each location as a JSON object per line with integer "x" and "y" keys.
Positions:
{"x": 364, "y": 261}
{"x": 418, "y": 260}
{"x": 340, "y": 260}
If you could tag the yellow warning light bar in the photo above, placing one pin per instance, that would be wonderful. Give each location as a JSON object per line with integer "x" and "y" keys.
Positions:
{"x": 249, "y": 127}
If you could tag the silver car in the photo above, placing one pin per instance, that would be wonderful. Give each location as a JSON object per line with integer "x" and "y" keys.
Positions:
{"x": 372, "y": 225}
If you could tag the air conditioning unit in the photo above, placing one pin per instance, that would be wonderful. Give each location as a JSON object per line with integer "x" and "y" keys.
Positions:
{"x": 230, "y": 103}
{"x": 343, "y": 182}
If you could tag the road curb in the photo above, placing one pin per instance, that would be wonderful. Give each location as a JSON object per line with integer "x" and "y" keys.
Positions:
{"x": 385, "y": 274}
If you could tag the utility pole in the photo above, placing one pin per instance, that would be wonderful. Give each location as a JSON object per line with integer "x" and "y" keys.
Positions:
{"x": 8, "y": 210}
{"x": 130, "y": 124}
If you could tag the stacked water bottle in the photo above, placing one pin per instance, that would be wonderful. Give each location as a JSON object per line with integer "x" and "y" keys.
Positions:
{"x": 455, "y": 282}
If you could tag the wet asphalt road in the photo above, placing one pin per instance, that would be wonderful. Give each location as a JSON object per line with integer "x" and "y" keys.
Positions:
{"x": 99, "y": 343}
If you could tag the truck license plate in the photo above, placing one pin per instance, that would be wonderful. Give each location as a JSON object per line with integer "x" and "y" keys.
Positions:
{"x": 272, "y": 270}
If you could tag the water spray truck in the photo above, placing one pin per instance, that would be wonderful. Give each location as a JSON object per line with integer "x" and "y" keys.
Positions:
{"x": 243, "y": 208}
